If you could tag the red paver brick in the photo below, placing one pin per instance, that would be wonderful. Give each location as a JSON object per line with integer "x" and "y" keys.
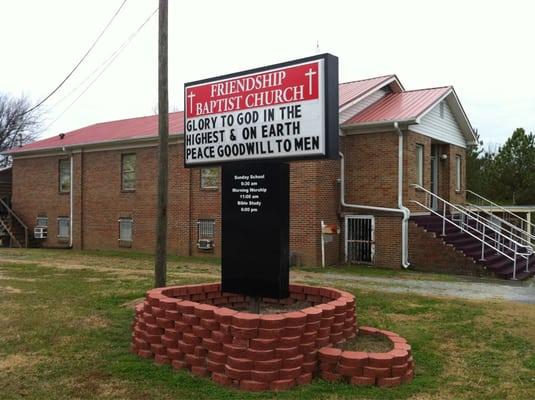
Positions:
{"x": 179, "y": 364}
{"x": 204, "y": 311}
{"x": 270, "y": 333}
{"x": 293, "y": 362}
{"x": 253, "y": 386}
{"x": 272, "y": 321}
{"x": 260, "y": 355}
{"x": 194, "y": 360}
{"x": 213, "y": 366}
{"x": 234, "y": 351}
{"x": 175, "y": 354}
{"x": 304, "y": 379}
{"x": 221, "y": 379}
{"x": 191, "y": 338}
{"x": 268, "y": 365}
{"x": 331, "y": 376}
{"x": 400, "y": 370}
{"x": 237, "y": 374}
{"x": 295, "y": 318}
{"x": 199, "y": 371}
{"x": 186, "y": 307}
{"x": 399, "y": 356}
{"x": 375, "y": 372}
{"x": 282, "y": 384}
{"x": 380, "y": 360}
{"x": 224, "y": 315}
{"x": 264, "y": 344}
{"x": 244, "y": 333}
{"x": 201, "y": 332}
{"x": 240, "y": 363}
{"x": 388, "y": 382}
{"x": 290, "y": 341}
{"x": 349, "y": 371}
{"x": 309, "y": 366}
{"x": 265, "y": 376}
{"x": 362, "y": 381}
{"x": 245, "y": 320}
{"x": 354, "y": 358}
{"x": 286, "y": 352}
{"x": 409, "y": 375}
{"x": 161, "y": 359}
{"x": 216, "y": 356}
{"x": 290, "y": 373}
{"x": 329, "y": 354}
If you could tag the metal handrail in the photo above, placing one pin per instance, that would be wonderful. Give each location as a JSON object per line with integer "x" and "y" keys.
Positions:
{"x": 521, "y": 236}
{"x": 12, "y": 213}
{"x": 501, "y": 242}
{"x": 529, "y": 225}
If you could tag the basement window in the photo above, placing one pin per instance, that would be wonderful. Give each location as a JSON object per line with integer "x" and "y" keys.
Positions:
{"x": 206, "y": 228}
{"x": 125, "y": 229}
{"x": 41, "y": 222}
{"x": 64, "y": 227}
{"x": 64, "y": 176}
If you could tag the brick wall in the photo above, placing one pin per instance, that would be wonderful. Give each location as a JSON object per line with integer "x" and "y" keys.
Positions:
{"x": 371, "y": 178}
{"x": 428, "y": 252}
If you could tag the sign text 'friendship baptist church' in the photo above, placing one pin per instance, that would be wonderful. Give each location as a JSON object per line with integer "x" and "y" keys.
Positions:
{"x": 279, "y": 112}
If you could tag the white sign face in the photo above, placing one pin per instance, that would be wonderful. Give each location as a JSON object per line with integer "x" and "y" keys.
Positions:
{"x": 276, "y": 113}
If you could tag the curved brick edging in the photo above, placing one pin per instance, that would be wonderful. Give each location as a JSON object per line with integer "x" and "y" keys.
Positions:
{"x": 391, "y": 368}
{"x": 190, "y": 327}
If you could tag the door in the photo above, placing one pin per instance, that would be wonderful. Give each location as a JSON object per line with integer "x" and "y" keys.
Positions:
{"x": 434, "y": 174}
{"x": 360, "y": 239}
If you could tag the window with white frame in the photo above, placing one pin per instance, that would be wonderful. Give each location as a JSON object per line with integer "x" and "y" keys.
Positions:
{"x": 209, "y": 178}
{"x": 41, "y": 222}
{"x": 420, "y": 164}
{"x": 125, "y": 229}
{"x": 128, "y": 172}
{"x": 64, "y": 227}
{"x": 458, "y": 173}
{"x": 64, "y": 175}
{"x": 206, "y": 228}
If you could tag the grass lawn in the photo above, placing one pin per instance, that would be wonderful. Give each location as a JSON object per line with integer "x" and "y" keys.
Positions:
{"x": 65, "y": 329}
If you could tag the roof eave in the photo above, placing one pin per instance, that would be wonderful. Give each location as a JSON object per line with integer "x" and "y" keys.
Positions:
{"x": 109, "y": 143}
{"x": 378, "y": 124}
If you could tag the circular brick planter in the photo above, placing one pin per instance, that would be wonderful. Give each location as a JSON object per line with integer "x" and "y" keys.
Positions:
{"x": 195, "y": 327}
{"x": 390, "y": 368}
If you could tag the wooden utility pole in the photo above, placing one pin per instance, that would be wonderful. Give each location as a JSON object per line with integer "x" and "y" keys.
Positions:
{"x": 160, "y": 262}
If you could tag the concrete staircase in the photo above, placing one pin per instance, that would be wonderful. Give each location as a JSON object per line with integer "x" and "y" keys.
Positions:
{"x": 497, "y": 264}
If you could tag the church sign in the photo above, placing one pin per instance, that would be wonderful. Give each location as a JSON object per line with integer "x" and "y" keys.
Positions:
{"x": 283, "y": 112}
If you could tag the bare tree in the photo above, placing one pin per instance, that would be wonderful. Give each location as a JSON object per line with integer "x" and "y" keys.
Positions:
{"x": 19, "y": 123}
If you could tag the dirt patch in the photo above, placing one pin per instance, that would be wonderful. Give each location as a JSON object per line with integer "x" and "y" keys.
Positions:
{"x": 16, "y": 361}
{"x": 95, "y": 321}
{"x": 367, "y": 343}
{"x": 133, "y": 303}
{"x": 270, "y": 308}
{"x": 9, "y": 289}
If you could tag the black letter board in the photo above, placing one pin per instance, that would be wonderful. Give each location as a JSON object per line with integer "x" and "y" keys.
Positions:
{"x": 255, "y": 229}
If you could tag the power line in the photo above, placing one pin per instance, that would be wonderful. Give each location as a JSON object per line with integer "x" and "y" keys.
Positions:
{"x": 105, "y": 65}
{"x": 81, "y": 60}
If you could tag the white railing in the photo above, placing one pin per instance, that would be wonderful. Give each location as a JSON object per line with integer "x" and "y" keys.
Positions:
{"x": 489, "y": 235}
{"x": 527, "y": 227}
{"x": 510, "y": 230}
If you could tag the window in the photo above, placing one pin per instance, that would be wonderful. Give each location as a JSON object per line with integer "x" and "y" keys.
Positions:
{"x": 206, "y": 228}
{"x": 128, "y": 172}
{"x": 64, "y": 227}
{"x": 125, "y": 229}
{"x": 42, "y": 222}
{"x": 458, "y": 173}
{"x": 420, "y": 164}
{"x": 64, "y": 175}
{"x": 209, "y": 178}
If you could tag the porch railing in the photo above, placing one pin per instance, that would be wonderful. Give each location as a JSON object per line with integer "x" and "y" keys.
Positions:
{"x": 489, "y": 235}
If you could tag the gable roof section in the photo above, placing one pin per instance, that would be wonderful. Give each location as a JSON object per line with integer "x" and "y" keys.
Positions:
{"x": 351, "y": 92}
{"x": 399, "y": 107}
{"x": 409, "y": 107}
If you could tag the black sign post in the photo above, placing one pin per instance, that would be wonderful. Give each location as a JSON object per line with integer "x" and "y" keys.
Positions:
{"x": 255, "y": 229}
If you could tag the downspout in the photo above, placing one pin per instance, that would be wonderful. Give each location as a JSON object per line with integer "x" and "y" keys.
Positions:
{"x": 406, "y": 212}
{"x": 401, "y": 209}
{"x": 71, "y": 204}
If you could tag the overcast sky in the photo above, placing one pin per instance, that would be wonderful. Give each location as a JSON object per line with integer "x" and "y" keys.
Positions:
{"x": 485, "y": 49}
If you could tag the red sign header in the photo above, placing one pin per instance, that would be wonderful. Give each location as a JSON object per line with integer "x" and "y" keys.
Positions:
{"x": 268, "y": 88}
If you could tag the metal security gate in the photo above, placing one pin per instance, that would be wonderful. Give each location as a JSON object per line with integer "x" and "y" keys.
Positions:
{"x": 360, "y": 238}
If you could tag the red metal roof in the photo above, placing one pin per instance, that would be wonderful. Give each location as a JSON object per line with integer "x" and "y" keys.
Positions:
{"x": 403, "y": 106}
{"x": 351, "y": 90}
{"x": 146, "y": 127}
{"x": 124, "y": 129}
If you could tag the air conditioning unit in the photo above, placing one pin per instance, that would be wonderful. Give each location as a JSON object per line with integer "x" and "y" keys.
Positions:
{"x": 40, "y": 232}
{"x": 205, "y": 244}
